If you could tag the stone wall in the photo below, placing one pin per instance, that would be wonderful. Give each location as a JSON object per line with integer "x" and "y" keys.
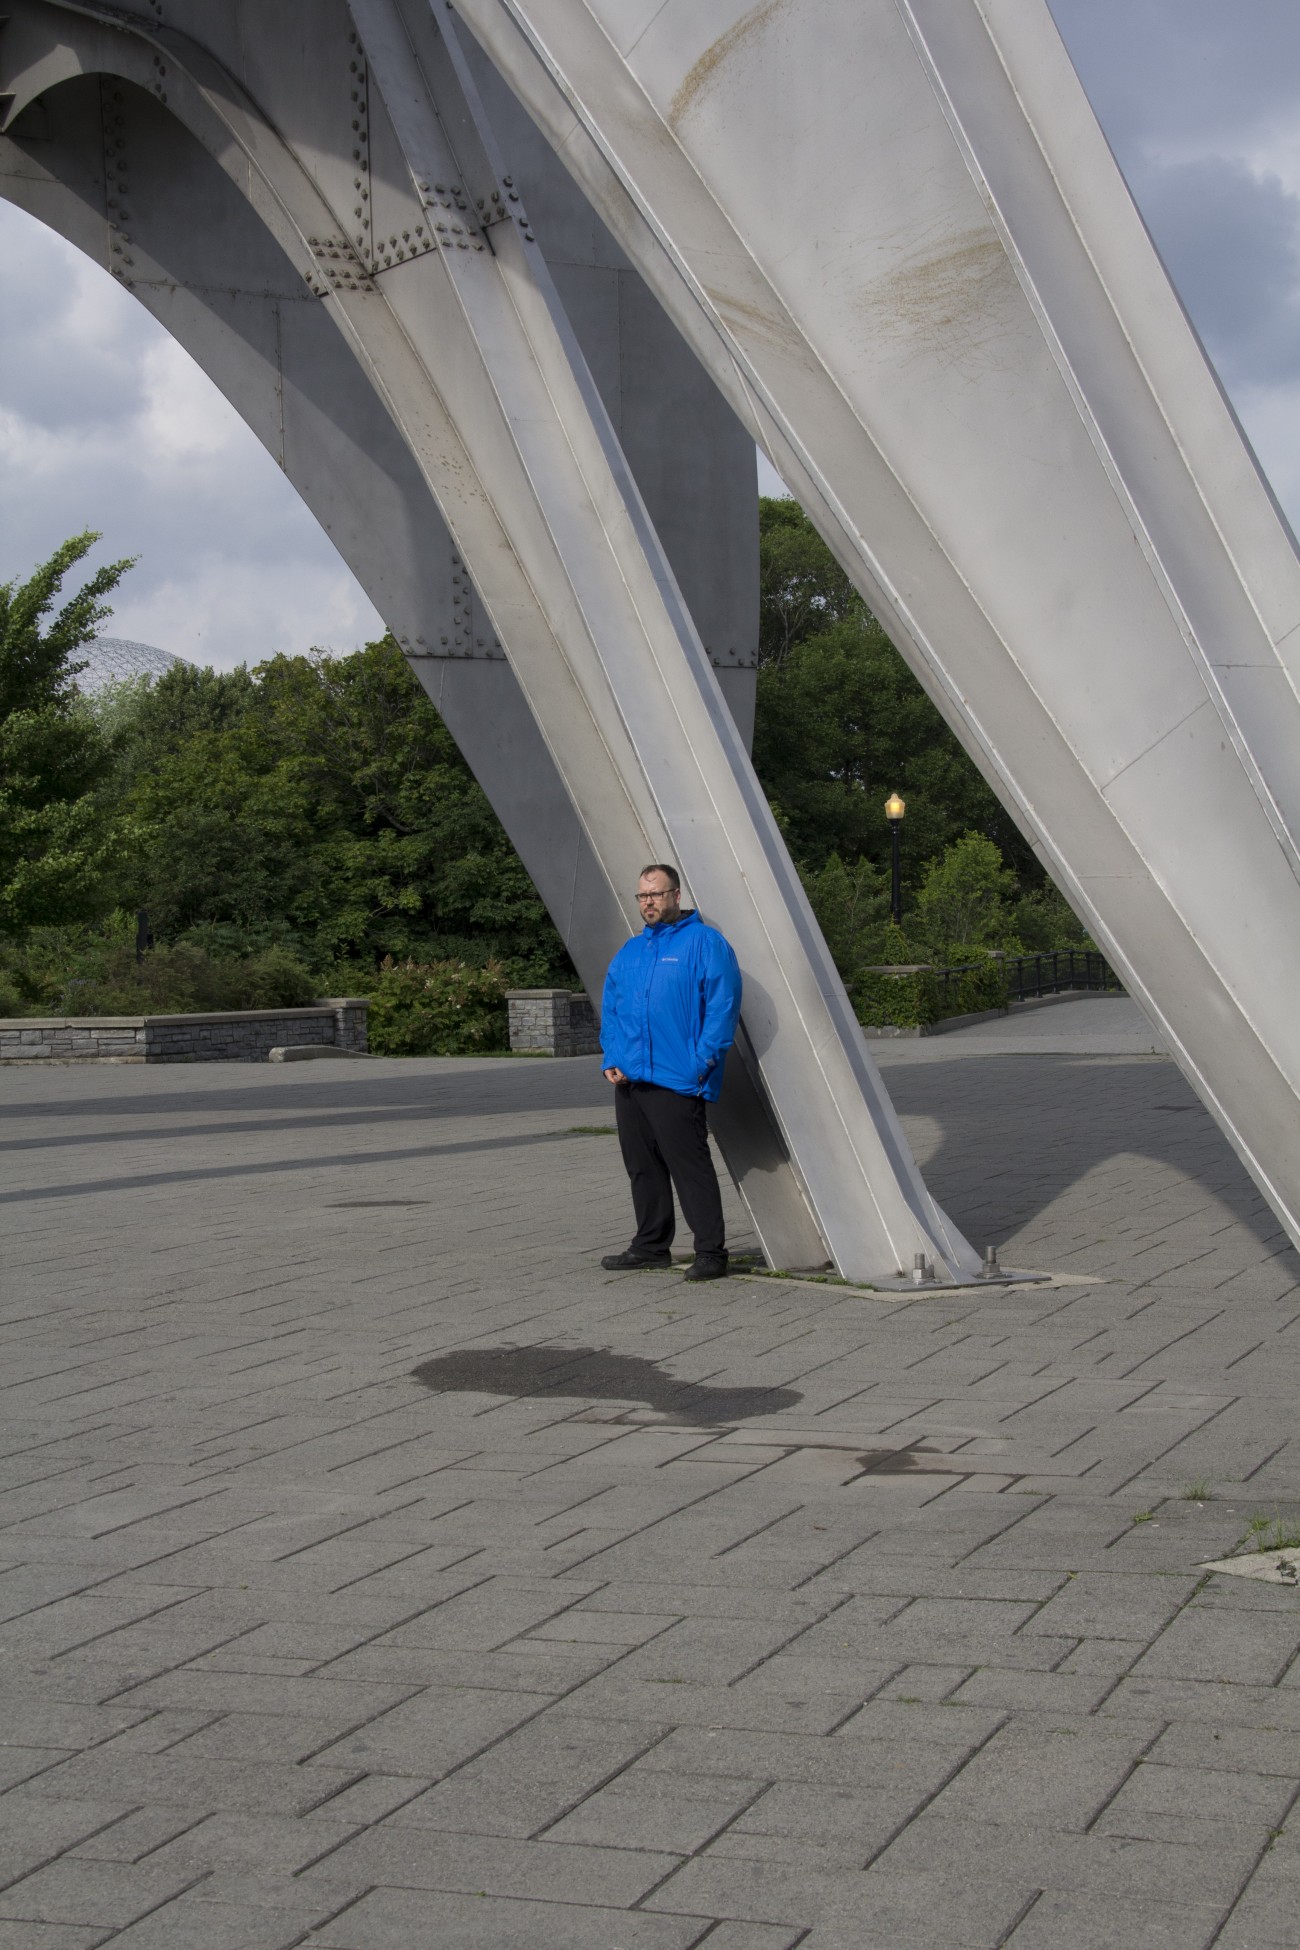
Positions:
{"x": 239, "y": 1036}
{"x": 552, "y": 1022}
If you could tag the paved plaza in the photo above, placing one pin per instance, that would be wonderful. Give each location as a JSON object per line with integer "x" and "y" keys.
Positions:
{"x": 380, "y": 1574}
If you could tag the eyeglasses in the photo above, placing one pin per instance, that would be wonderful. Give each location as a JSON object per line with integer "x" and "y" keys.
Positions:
{"x": 661, "y": 894}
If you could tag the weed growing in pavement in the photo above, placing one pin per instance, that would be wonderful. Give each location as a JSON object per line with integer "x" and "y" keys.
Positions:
{"x": 1143, "y": 1516}
{"x": 1269, "y": 1534}
{"x": 1199, "y": 1492}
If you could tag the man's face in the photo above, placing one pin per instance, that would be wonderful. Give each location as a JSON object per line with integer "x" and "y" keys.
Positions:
{"x": 657, "y": 900}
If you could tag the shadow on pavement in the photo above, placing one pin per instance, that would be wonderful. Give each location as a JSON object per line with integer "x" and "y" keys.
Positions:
{"x": 1016, "y": 1132}
{"x": 346, "y": 1097}
{"x": 593, "y": 1374}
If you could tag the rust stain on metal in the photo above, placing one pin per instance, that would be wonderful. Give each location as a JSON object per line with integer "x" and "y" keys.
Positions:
{"x": 713, "y": 57}
{"x": 954, "y": 293}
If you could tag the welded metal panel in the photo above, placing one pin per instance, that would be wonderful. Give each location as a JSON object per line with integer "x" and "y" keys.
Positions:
{"x": 691, "y": 456}
{"x": 894, "y": 233}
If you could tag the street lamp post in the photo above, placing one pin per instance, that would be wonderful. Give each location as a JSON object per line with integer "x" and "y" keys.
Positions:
{"x": 894, "y": 810}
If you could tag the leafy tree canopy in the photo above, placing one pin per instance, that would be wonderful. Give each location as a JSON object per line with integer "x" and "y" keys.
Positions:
{"x": 321, "y": 802}
{"x": 841, "y": 722}
{"x": 802, "y": 588}
{"x": 55, "y": 843}
{"x": 967, "y": 895}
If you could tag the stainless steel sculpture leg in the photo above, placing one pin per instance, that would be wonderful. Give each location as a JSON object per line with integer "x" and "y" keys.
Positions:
{"x": 435, "y": 281}
{"x": 895, "y": 235}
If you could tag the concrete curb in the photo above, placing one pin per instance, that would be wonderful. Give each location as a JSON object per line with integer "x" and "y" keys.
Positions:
{"x": 890, "y": 1032}
{"x": 301, "y": 1052}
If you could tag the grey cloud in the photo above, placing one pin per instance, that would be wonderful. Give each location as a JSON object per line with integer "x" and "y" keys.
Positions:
{"x": 1182, "y": 88}
{"x": 1160, "y": 68}
{"x": 62, "y": 368}
{"x": 183, "y": 486}
{"x": 1231, "y": 244}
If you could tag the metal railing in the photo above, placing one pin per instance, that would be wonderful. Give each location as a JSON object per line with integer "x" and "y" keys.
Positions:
{"x": 948, "y": 980}
{"x": 1057, "y": 973}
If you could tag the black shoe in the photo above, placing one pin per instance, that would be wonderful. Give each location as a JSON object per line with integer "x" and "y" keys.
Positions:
{"x": 630, "y": 1262}
{"x": 707, "y": 1266}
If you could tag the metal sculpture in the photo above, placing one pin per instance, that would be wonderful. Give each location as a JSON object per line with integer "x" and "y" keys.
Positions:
{"x": 890, "y": 232}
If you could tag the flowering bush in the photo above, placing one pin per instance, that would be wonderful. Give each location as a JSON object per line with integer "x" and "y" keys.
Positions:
{"x": 438, "y": 1008}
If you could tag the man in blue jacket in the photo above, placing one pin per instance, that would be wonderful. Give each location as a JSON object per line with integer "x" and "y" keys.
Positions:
{"x": 672, "y": 997}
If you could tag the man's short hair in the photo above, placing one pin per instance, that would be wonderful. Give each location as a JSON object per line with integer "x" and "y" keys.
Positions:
{"x": 670, "y": 874}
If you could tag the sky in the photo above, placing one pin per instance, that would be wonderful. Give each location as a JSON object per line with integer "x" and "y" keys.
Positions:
{"x": 105, "y": 423}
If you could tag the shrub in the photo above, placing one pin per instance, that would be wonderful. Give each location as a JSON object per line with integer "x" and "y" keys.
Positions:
{"x": 275, "y": 979}
{"x": 76, "y": 972}
{"x": 897, "y": 1001}
{"x": 438, "y": 1008}
{"x": 980, "y": 986}
{"x": 923, "y": 997}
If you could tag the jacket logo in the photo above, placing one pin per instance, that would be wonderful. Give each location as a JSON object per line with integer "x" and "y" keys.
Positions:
{"x": 670, "y": 957}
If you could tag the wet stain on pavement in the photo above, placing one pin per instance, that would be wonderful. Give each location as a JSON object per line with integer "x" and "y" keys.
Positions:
{"x": 594, "y": 1374}
{"x": 902, "y": 1462}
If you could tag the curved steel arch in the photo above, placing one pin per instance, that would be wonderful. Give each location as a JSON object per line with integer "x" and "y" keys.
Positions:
{"x": 459, "y": 333}
{"x": 891, "y": 232}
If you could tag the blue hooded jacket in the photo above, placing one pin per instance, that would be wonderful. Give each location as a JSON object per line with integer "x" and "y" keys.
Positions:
{"x": 672, "y": 997}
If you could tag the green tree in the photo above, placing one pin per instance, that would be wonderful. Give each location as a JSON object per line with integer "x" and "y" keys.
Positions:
{"x": 841, "y": 722}
{"x": 852, "y": 909}
{"x": 56, "y": 838}
{"x": 322, "y": 803}
{"x": 802, "y": 588}
{"x": 965, "y": 901}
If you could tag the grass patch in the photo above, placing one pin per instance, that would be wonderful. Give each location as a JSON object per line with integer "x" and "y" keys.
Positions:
{"x": 1269, "y": 1534}
{"x": 1199, "y": 1492}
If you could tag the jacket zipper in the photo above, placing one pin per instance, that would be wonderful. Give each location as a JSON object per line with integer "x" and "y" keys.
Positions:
{"x": 649, "y": 1039}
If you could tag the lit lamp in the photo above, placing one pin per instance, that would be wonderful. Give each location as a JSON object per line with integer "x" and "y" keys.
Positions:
{"x": 894, "y": 810}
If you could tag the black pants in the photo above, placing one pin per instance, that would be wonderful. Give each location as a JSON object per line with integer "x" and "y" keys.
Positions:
{"x": 664, "y": 1138}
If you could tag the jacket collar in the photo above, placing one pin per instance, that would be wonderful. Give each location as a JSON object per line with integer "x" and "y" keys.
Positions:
{"x": 689, "y": 916}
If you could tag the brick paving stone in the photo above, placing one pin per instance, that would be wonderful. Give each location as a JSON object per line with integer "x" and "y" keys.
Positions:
{"x": 670, "y": 1812}
{"x": 1210, "y": 1702}
{"x": 1265, "y": 1918}
{"x": 1205, "y": 1644}
{"x": 529, "y": 1780}
{"x": 925, "y": 1913}
{"x": 188, "y": 1925}
{"x": 291, "y": 1642}
{"x": 404, "y": 1919}
{"x": 1060, "y": 1921}
{"x": 754, "y": 1936}
{"x": 107, "y": 1894}
{"x": 34, "y": 1830}
{"x": 502, "y": 1866}
{"x": 1235, "y": 1750}
{"x": 48, "y": 1936}
{"x": 1055, "y": 1858}
{"x": 1039, "y": 1769}
{"x": 146, "y": 1832}
{"x": 274, "y": 1844}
